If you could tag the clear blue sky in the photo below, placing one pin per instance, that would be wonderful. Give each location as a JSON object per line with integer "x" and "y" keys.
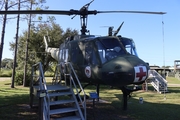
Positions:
{"x": 145, "y": 29}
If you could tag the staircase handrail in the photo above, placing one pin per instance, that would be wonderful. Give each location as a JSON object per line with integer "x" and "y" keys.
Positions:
{"x": 55, "y": 76}
{"x": 43, "y": 88}
{"x": 80, "y": 86}
{"x": 156, "y": 74}
{"x": 157, "y": 80}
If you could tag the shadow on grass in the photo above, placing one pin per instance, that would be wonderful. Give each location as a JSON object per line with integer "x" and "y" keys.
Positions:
{"x": 159, "y": 110}
{"x": 16, "y": 107}
{"x": 105, "y": 111}
{"x": 174, "y": 89}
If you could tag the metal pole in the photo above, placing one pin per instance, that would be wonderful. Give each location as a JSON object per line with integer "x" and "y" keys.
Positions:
{"x": 163, "y": 55}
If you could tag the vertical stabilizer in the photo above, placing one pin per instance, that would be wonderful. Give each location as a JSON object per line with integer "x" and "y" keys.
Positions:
{"x": 53, "y": 51}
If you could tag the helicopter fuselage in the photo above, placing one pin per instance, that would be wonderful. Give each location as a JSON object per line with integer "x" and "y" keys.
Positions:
{"x": 102, "y": 60}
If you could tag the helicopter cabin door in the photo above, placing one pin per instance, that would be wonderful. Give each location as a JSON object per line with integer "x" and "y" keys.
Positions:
{"x": 90, "y": 61}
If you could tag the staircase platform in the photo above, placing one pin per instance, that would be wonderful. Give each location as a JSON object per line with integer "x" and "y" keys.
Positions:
{"x": 52, "y": 87}
{"x": 56, "y": 87}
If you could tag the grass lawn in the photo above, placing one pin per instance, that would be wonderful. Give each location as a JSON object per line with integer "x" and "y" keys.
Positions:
{"x": 14, "y": 103}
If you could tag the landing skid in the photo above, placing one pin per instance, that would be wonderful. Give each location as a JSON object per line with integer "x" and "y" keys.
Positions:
{"x": 126, "y": 93}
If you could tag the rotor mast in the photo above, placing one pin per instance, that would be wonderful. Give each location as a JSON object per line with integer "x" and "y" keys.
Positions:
{"x": 83, "y": 17}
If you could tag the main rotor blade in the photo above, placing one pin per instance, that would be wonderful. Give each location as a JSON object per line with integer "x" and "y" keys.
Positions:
{"x": 72, "y": 12}
{"x": 144, "y": 12}
{"x": 58, "y": 12}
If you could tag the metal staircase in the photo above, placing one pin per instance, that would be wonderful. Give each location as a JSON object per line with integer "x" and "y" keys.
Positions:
{"x": 157, "y": 81}
{"x": 57, "y": 101}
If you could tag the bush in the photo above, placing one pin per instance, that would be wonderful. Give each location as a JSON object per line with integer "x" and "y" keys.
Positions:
{"x": 49, "y": 74}
{"x": 6, "y": 73}
{"x": 19, "y": 78}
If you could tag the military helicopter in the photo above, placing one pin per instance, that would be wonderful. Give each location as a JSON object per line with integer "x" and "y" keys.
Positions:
{"x": 97, "y": 59}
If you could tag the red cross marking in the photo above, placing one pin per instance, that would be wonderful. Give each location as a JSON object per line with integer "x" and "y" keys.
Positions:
{"x": 141, "y": 74}
{"x": 87, "y": 71}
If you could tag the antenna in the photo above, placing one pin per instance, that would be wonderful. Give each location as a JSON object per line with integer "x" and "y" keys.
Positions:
{"x": 110, "y": 31}
{"x": 116, "y": 32}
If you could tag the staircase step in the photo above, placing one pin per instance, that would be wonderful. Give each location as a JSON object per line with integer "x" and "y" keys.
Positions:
{"x": 59, "y": 94}
{"x": 62, "y": 110}
{"x": 56, "y": 87}
{"x": 52, "y": 87}
{"x": 57, "y": 76}
{"x": 69, "y": 118}
{"x": 61, "y": 102}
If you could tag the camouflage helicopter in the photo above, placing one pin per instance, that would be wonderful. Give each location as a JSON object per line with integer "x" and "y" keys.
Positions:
{"x": 97, "y": 59}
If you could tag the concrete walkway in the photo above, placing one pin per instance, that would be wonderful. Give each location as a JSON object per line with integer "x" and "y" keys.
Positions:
{"x": 5, "y": 78}
{"x": 173, "y": 85}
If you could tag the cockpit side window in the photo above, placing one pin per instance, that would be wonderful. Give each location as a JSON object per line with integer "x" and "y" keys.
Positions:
{"x": 129, "y": 46}
{"x": 101, "y": 51}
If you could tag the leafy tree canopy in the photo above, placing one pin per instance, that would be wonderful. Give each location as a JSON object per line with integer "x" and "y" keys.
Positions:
{"x": 36, "y": 44}
{"x": 7, "y": 63}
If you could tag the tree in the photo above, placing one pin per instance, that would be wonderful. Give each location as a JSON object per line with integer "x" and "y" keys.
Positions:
{"x": 28, "y": 18}
{"x": 36, "y": 45}
{"x": 34, "y": 4}
{"x": 3, "y": 31}
{"x": 7, "y": 63}
{"x": 4, "y": 4}
{"x": 15, "y": 50}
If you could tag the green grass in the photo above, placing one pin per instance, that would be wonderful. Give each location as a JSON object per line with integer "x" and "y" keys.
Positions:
{"x": 14, "y": 103}
{"x": 8, "y": 73}
{"x": 5, "y": 72}
{"x": 173, "y": 80}
{"x": 155, "y": 106}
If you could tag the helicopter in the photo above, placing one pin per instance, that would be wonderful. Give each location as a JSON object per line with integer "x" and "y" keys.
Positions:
{"x": 97, "y": 60}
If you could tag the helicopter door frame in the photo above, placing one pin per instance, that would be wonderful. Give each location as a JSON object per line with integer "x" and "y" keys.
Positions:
{"x": 90, "y": 54}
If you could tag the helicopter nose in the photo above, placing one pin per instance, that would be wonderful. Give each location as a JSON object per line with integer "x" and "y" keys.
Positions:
{"x": 140, "y": 68}
{"x": 125, "y": 70}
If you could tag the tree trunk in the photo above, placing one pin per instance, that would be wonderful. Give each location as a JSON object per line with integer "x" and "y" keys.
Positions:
{"x": 27, "y": 42}
{"x": 15, "y": 50}
{"x": 3, "y": 32}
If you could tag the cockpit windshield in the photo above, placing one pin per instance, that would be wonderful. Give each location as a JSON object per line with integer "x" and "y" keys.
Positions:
{"x": 109, "y": 48}
{"x": 129, "y": 46}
